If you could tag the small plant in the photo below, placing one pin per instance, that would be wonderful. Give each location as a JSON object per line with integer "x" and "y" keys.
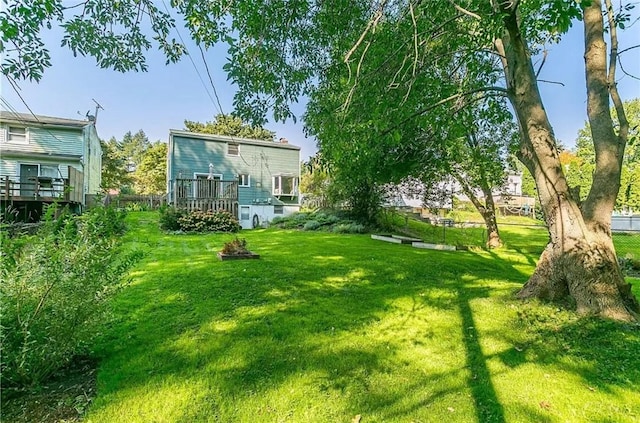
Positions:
{"x": 238, "y": 246}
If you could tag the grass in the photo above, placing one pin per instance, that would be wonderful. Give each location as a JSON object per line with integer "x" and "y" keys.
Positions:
{"x": 325, "y": 327}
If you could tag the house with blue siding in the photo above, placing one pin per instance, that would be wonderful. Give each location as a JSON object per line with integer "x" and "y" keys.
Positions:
{"x": 255, "y": 180}
{"x": 45, "y": 159}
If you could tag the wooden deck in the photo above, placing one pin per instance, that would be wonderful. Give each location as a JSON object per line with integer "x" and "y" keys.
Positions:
{"x": 43, "y": 189}
{"x": 206, "y": 194}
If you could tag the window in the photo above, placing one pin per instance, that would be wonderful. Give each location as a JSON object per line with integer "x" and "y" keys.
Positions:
{"x": 278, "y": 209}
{"x": 285, "y": 185}
{"x": 244, "y": 213}
{"x": 244, "y": 180}
{"x": 233, "y": 149}
{"x": 17, "y": 135}
{"x": 49, "y": 171}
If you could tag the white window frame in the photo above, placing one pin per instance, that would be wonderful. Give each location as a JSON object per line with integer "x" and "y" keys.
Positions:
{"x": 229, "y": 144}
{"x": 21, "y": 141}
{"x": 244, "y": 180}
{"x": 278, "y": 191}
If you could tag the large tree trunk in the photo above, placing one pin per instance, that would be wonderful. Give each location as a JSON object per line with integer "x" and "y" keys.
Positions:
{"x": 579, "y": 264}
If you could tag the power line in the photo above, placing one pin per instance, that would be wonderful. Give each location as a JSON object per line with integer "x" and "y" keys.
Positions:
{"x": 204, "y": 85}
{"x": 206, "y": 66}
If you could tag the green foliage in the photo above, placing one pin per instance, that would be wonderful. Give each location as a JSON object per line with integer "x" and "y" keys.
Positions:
{"x": 580, "y": 170}
{"x": 230, "y": 125}
{"x": 110, "y": 32}
{"x": 320, "y": 221}
{"x": 134, "y": 165}
{"x": 115, "y": 175}
{"x": 169, "y": 218}
{"x": 55, "y": 290}
{"x": 208, "y": 221}
{"x": 150, "y": 176}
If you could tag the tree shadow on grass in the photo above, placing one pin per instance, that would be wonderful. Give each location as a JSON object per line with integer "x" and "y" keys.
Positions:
{"x": 311, "y": 313}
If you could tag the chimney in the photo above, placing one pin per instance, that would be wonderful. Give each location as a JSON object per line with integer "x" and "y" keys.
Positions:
{"x": 284, "y": 141}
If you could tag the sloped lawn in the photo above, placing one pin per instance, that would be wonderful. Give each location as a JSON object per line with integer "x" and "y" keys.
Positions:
{"x": 327, "y": 327}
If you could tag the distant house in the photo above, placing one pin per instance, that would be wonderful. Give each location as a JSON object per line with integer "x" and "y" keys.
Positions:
{"x": 255, "y": 180}
{"x": 508, "y": 199}
{"x": 45, "y": 159}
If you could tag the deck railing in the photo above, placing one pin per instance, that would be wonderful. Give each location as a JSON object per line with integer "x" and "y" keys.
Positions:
{"x": 206, "y": 194}
{"x": 35, "y": 189}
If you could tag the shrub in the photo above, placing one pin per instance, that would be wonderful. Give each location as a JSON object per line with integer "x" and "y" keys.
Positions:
{"x": 209, "y": 221}
{"x": 349, "y": 228}
{"x": 311, "y": 225}
{"x": 55, "y": 291}
{"x": 169, "y": 218}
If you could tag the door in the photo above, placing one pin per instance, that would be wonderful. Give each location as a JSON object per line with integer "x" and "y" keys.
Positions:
{"x": 207, "y": 186}
{"x": 28, "y": 180}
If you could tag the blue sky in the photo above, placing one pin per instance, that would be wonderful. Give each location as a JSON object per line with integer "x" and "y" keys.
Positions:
{"x": 166, "y": 95}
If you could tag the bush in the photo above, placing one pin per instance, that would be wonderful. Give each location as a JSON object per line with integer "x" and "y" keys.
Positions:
{"x": 169, "y": 218}
{"x": 349, "y": 228}
{"x": 311, "y": 225}
{"x": 55, "y": 291}
{"x": 208, "y": 221}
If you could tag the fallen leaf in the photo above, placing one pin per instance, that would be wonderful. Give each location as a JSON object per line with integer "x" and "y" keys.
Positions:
{"x": 356, "y": 419}
{"x": 451, "y": 409}
{"x": 545, "y": 404}
{"x": 592, "y": 389}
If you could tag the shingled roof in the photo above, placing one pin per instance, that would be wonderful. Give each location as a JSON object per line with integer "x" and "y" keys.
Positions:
{"x": 27, "y": 118}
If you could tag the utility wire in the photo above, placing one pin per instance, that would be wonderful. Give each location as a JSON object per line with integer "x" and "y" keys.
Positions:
{"x": 204, "y": 85}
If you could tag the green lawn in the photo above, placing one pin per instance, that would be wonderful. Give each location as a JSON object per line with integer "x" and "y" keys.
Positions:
{"x": 325, "y": 327}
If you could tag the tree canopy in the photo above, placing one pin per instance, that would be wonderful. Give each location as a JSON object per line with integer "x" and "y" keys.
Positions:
{"x": 230, "y": 125}
{"x": 580, "y": 163}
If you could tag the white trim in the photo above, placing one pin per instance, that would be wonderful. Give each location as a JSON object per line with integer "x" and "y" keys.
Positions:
{"x": 278, "y": 191}
{"x": 248, "y": 184}
{"x": 8, "y": 135}
{"x": 229, "y": 144}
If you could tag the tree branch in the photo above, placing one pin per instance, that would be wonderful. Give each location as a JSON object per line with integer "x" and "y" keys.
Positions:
{"x": 444, "y": 101}
{"x": 551, "y": 82}
{"x": 465, "y": 11}
{"x": 623, "y": 133}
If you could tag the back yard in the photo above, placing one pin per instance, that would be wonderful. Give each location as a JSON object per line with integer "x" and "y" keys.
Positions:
{"x": 339, "y": 328}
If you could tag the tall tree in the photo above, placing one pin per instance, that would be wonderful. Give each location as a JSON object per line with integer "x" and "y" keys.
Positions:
{"x": 150, "y": 176}
{"x": 452, "y": 53}
{"x": 230, "y": 125}
{"x": 115, "y": 175}
{"x": 134, "y": 147}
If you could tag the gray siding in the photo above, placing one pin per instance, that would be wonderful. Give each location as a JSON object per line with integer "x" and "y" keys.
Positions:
{"x": 261, "y": 162}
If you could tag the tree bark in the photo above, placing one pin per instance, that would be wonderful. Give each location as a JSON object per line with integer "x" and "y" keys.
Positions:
{"x": 579, "y": 264}
{"x": 486, "y": 210}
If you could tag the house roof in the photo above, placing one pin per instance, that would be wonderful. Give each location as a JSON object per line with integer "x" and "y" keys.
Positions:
{"x": 27, "y": 118}
{"x": 235, "y": 140}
